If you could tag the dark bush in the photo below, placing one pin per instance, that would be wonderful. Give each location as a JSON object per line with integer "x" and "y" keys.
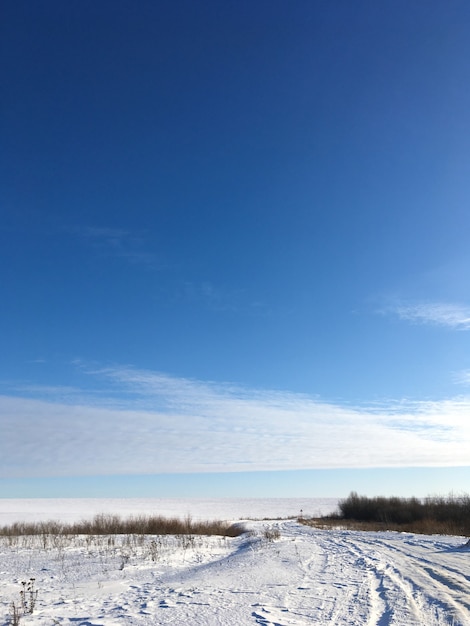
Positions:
{"x": 449, "y": 512}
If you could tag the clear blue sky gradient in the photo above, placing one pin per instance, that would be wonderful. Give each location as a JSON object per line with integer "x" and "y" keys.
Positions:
{"x": 248, "y": 209}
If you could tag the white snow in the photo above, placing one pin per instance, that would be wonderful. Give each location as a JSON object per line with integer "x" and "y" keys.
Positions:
{"x": 75, "y": 509}
{"x": 306, "y": 576}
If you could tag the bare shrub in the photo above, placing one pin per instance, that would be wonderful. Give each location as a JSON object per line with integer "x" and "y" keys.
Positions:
{"x": 15, "y": 614}
{"x": 432, "y": 515}
{"x": 105, "y": 524}
{"x": 28, "y": 595}
{"x": 271, "y": 533}
{"x": 28, "y": 598}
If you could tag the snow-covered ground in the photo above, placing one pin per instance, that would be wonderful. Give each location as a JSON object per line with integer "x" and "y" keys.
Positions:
{"x": 75, "y": 509}
{"x": 305, "y": 576}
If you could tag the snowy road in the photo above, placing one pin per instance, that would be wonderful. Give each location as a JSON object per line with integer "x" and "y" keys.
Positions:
{"x": 306, "y": 576}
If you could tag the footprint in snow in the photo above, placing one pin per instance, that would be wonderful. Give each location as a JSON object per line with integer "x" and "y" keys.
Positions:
{"x": 275, "y": 617}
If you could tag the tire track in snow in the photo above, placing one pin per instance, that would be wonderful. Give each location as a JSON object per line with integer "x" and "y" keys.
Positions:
{"x": 392, "y": 596}
{"x": 417, "y": 543}
{"x": 334, "y": 568}
{"x": 319, "y": 564}
{"x": 363, "y": 589}
{"x": 435, "y": 569}
{"x": 437, "y": 594}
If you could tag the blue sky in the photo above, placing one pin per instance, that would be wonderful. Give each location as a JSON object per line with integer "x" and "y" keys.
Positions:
{"x": 234, "y": 248}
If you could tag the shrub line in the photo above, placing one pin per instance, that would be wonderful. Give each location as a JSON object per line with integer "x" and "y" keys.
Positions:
{"x": 108, "y": 524}
{"x": 431, "y": 515}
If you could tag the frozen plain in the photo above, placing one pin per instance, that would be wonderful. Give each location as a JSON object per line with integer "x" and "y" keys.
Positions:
{"x": 306, "y": 576}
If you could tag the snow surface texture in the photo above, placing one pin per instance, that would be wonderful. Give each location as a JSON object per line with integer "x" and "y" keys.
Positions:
{"x": 303, "y": 576}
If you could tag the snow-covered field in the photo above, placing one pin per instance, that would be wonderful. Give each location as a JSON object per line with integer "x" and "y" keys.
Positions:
{"x": 75, "y": 509}
{"x": 305, "y": 576}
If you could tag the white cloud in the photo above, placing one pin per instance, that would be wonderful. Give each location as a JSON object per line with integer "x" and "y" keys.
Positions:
{"x": 116, "y": 242}
{"x": 149, "y": 422}
{"x": 440, "y": 314}
{"x": 462, "y": 378}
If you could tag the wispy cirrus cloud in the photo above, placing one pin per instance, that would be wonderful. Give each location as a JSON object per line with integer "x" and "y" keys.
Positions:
{"x": 462, "y": 378}
{"x": 216, "y": 298}
{"x": 134, "y": 248}
{"x": 150, "y": 422}
{"x": 121, "y": 243}
{"x": 452, "y": 316}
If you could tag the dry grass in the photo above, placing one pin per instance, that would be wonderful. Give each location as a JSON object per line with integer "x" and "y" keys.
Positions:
{"x": 425, "y": 527}
{"x": 104, "y": 524}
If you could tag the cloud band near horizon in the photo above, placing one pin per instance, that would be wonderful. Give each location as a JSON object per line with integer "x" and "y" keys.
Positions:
{"x": 151, "y": 423}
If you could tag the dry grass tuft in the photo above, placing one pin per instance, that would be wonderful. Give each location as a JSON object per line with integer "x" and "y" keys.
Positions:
{"x": 105, "y": 524}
